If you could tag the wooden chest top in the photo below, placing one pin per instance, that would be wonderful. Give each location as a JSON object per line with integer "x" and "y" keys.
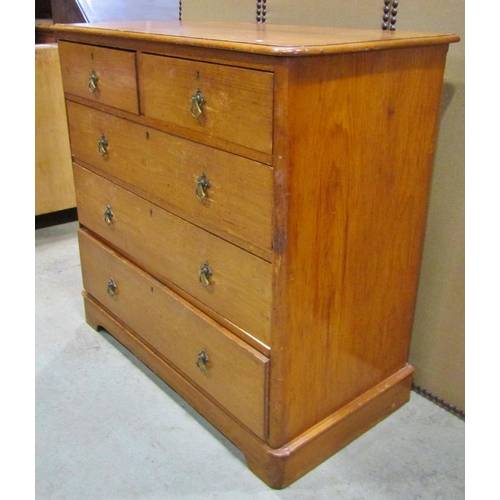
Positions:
{"x": 277, "y": 40}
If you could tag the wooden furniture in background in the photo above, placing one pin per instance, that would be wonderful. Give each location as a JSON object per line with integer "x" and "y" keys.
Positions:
{"x": 54, "y": 188}
{"x": 252, "y": 204}
{"x": 44, "y": 32}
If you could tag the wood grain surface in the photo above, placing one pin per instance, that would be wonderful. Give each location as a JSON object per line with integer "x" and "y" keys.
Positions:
{"x": 238, "y": 105}
{"x": 238, "y": 201}
{"x": 275, "y": 40}
{"x": 54, "y": 189}
{"x": 115, "y": 69}
{"x": 240, "y": 287}
{"x": 236, "y": 374}
{"x": 360, "y": 133}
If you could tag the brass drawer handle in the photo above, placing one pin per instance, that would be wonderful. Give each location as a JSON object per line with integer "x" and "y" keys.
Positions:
{"x": 205, "y": 273}
{"x": 111, "y": 287}
{"x": 108, "y": 215}
{"x": 202, "y": 361}
{"x": 202, "y": 185}
{"x": 102, "y": 147}
{"x": 197, "y": 102}
{"x": 93, "y": 79}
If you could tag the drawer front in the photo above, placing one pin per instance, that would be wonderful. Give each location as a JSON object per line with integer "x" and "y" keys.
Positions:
{"x": 106, "y": 76}
{"x": 237, "y": 201}
{"x": 234, "y": 104}
{"x": 235, "y": 374}
{"x": 239, "y": 287}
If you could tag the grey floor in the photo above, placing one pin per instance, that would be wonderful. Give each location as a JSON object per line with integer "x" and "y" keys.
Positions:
{"x": 108, "y": 428}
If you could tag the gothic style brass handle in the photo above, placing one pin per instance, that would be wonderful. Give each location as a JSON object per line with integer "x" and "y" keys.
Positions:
{"x": 205, "y": 273}
{"x": 111, "y": 287}
{"x": 197, "y": 102}
{"x": 202, "y": 185}
{"x": 93, "y": 79}
{"x": 102, "y": 147}
{"x": 108, "y": 215}
{"x": 202, "y": 361}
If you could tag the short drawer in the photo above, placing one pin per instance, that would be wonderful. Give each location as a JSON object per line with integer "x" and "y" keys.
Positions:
{"x": 106, "y": 76}
{"x": 222, "y": 365}
{"x": 229, "y": 103}
{"x": 239, "y": 288}
{"x": 236, "y": 199}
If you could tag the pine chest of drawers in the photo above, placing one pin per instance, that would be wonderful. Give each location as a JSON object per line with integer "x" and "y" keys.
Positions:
{"x": 252, "y": 203}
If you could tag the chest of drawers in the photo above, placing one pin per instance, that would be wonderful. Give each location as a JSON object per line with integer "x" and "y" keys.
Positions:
{"x": 252, "y": 204}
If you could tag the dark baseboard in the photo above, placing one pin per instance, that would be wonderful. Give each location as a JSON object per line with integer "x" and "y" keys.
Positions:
{"x": 55, "y": 218}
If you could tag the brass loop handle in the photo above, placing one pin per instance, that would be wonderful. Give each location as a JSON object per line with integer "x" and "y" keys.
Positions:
{"x": 197, "y": 102}
{"x": 93, "y": 79}
{"x": 205, "y": 273}
{"x": 108, "y": 215}
{"x": 202, "y": 185}
{"x": 202, "y": 361}
{"x": 102, "y": 147}
{"x": 111, "y": 287}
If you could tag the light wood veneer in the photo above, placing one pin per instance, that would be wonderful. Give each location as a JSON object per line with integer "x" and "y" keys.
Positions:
{"x": 115, "y": 70}
{"x": 240, "y": 288}
{"x": 239, "y": 108}
{"x": 54, "y": 186}
{"x": 234, "y": 181}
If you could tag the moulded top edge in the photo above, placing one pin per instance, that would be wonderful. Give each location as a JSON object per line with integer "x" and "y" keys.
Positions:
{"x": 268, "y": 39}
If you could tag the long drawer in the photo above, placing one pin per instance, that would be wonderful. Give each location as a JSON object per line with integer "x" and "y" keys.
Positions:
{"x": 229, "y": 103}
{"x": 222, "y": 365}
{"x": 103, "y": 75}
{"x": 239, "y": 287}
{"x": 233, "y": 195}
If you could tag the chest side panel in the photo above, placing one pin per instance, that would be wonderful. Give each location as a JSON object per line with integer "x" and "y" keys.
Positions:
{"x": 353, "y": 177}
